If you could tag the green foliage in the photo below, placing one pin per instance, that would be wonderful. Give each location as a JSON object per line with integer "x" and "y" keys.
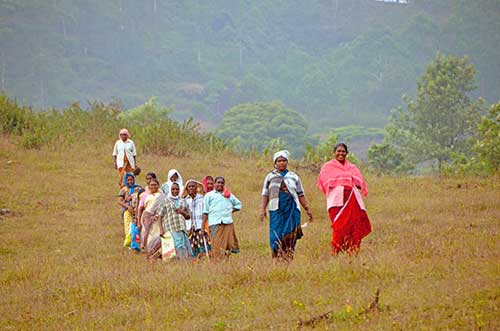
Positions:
{"x": 149, "y": 124}
{"x": 13, "y": 119}
{"x": 384, "y": 158}
{"x": 441, "y": 119}
{"x": 338, "y": 62}
{"x": 488, "y": 144}
{"x": 149, "y": 114}
{"x": 350, "y": 132}
{"x": 263, "y": 124}
{"x": 323, "y": 151}
{"x": 318, "y": 154}
{"x": 463, "y": 165}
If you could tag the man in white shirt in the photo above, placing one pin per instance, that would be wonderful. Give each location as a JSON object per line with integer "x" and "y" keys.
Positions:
{"x": 124, "y": 155}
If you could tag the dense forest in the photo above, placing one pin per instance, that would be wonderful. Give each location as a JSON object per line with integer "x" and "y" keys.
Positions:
{"x": 336, "y": 62}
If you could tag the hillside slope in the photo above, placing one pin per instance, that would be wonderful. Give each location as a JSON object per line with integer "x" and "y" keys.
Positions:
{"x": 433, "y": 254}
{"x": 337, "y": 62}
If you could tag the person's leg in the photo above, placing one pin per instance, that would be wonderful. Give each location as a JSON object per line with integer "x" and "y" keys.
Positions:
{"x": 127, "y": 220}
{"x": 217, "y": 241}
{"x": 232, "y": 240}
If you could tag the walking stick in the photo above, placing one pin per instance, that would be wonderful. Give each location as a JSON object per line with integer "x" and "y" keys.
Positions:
{"x": 206, "y": 246}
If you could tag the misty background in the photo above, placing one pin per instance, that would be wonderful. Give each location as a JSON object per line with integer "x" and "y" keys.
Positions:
{"x": 336, "y": 62}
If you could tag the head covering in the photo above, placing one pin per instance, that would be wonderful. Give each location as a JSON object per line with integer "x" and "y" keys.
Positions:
{"x": 166, "y": 186}
{"x": 205, "y": 180}
{"x": 200, "y": 189}
{"x": 284, "y": 153}
{"x": 171, "y": 197}
{"x": 124, "y": 131}
{"x": 131, "y": 188}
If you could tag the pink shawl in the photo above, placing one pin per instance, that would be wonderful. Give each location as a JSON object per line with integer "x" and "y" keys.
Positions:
{"x": 333, "y": 173}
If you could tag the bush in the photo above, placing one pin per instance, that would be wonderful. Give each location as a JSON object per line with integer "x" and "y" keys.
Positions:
{"x": 150, "y": 125}
{"x": 384, "y": 158}
{"x": 13, "y": 119}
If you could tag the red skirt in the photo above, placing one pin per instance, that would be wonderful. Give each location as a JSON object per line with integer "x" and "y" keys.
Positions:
{"x": 351, "y": 226}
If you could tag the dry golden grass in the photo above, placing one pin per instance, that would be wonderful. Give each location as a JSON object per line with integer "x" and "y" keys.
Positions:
{"x": 434, "y": 254}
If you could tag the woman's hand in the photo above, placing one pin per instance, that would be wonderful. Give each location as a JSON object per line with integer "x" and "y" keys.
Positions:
{"x": 262, "y": 214}
{"x": 309, "y": 214}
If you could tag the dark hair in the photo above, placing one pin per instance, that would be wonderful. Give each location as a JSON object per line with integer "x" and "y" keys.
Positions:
{"x": 155, "y": 180}
{"x": 175, "y": 183}
{"x": 137, "y": 171}
{"x": 151, "y": 174}
{"x": 341, "y": 144}
{"x": 219, "y": 177}
{"x": 141, "y": 190}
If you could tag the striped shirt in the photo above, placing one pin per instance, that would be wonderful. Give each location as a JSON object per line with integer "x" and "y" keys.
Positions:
{"x": 196, "y": 208}
{"x": 272, "y": 184}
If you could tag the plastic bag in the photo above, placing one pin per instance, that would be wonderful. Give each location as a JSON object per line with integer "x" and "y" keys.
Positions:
{"x": 167, "y": 246}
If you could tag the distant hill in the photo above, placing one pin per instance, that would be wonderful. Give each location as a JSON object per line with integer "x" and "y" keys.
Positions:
{"x": 339, "y": 62}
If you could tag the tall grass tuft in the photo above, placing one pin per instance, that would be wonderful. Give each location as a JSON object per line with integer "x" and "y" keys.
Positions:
{"x": 152, "y": 130}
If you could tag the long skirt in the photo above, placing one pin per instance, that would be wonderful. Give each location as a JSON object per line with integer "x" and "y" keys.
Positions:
{"x": 152, "y": 240}
{"x": 200, "y": 242}
{"x": 351, "y": 226}
{"x": 224, "y": 240}
{"x": 284, "y": 227}
{"x": 123, "y": 170}
{"x": 128, "y": 218}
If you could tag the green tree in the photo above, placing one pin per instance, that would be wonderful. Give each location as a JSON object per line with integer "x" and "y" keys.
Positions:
{"x": 323, "y": 151}
{"x": 385, "y": 158}
{"x": 257, "y": 124}
{"x": 442, "y": 117}
{"x": 150, "y": 113}
{"x": 488, "y": 145}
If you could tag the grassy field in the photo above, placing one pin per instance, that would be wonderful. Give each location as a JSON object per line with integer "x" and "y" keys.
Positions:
{"x": 433, "y": 255}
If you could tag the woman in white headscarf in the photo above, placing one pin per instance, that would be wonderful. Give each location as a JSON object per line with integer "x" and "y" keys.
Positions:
{"x": 173, "y": 176}
{"x": 283, "y": 193}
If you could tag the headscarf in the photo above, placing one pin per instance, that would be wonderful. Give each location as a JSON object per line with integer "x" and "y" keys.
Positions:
{"x": 131, "y": 188}
{"x": 175, "y": 199}
{"x": 205, "y": 180}
{"x": 284, "y": 153}
{"x": 333, "y": 173}
{"x": 124, "y": 131}
{"x": 200, "y": 188}
{"x": 166, "y": 186}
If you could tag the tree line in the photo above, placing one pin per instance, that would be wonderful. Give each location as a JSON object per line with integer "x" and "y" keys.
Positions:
{"x": 337, "y": 63}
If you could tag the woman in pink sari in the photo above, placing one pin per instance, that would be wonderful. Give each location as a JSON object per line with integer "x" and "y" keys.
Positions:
{"x": 341, "y": 183}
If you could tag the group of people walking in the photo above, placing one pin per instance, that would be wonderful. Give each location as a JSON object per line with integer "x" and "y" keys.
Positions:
{"x": 193, "y": 220}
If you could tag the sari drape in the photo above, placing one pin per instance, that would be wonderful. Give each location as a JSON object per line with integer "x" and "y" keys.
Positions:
{"x": 349, "y": 223}
{"x": 284, "y": 226}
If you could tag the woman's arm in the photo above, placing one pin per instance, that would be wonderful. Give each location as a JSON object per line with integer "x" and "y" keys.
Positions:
{"x": 140, "y": 211}
{"x": 183, "y": 212}
{"x": 121, "y": 202}
{"x": 303, "y": 202}
{"x": 263, "y": 206}
{"x": 205, "y": 221}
